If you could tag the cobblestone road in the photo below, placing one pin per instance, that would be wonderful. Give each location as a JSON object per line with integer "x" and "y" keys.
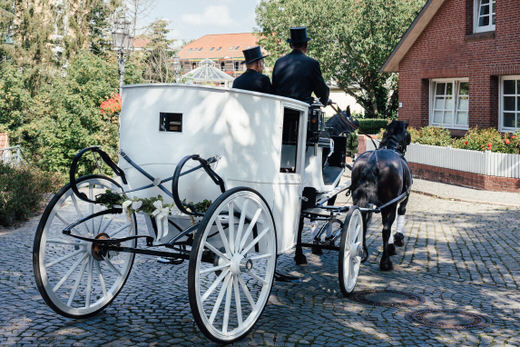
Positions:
{"x": 457, "y": 255}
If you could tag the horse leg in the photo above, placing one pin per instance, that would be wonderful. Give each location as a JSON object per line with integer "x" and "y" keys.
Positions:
{"x": 299, "y": 257}
{"x": 398, "y": 235}
{"x": 366, "y": 219}
{"x": 388, "y": 215}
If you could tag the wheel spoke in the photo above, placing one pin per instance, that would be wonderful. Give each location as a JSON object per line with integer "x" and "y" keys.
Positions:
{"x": 106, "y": 226}
{"x": 227, "y": 306}
{"x": 261, "y": 256}
{"x": 65, "y": 257}
{"x": 258, "y": 278}
{"x": 61, "y": 219}
{"x": 89, "y": 281}
{"x": 255, "y": 241}
{"x": 231, "y": 218}
{"x": 67, "y": 275}
{"x": 238, "y": 303}
{"x": 64, "y": 242}
{"x": 249, "y": 229}
{"x": 214, "y": 285}
{"x": 214, "y": 268}
{"x": 76, "y": 284}
{"x": 75, "y": 202}
{"x": 216, "y": 251}
{"x": 101, "y": 279}
{"x": 247, "y": 293}
{"x": 219, "y": 299}
{"x": 110, "y": 265}
{"x": 119, "y": 230}
{"x": 223, "y": 237}
{"x": 243, "y": 214}
{"x": 91, "y": 206}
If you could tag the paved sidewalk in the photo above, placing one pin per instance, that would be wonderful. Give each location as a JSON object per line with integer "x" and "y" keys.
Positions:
{"x": 459, "y": 193}
{"x": 449, "y": 191}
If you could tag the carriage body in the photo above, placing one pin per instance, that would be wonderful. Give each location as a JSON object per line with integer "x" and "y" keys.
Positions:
{"x": 259, "y": 139}
{"x": 270, "y": 175}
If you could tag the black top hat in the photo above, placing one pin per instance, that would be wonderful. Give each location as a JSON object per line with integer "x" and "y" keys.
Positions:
{"x": 252, "y": 55}
{"x": 298, "y": 35}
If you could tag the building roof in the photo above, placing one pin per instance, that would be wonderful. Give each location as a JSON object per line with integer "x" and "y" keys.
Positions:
{"x": 141, "y": 42}
{"x": 4, "y": 140}
{"x": 215, "y": 46}
{"x": 414, "y": 31}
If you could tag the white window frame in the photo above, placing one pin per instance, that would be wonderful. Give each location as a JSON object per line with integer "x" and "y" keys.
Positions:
{"x": 456, "y": 83}
{"x": 476, "y": 17}
{"x": 501, "y": 126}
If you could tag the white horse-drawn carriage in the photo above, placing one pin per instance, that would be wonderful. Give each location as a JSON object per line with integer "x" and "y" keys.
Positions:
{"x": 259, "y": 159}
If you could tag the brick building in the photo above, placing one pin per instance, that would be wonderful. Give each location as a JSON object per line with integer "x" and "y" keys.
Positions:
{"x": 224, "y": 49}
{"x": 459, "y": 66}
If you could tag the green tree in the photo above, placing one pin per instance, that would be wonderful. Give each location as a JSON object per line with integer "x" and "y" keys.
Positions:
{"x": 99, "y": 21}
{"x": 65, "y": 115}
{"x": 351, "y": 39}
{"x": 158, "y": 59}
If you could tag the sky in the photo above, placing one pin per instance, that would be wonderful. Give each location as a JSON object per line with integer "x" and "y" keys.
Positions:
{"x": 191, "y": 19}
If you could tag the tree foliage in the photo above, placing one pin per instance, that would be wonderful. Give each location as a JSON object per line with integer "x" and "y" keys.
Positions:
{"x": 159, "y": 67}
{"x": 351, "y": 39}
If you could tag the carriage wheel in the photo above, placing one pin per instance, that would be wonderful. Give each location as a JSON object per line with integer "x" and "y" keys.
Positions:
{"x": 75, "y": 278}
{"x": 232, "y": 265}
{"x": 350, "y": 251}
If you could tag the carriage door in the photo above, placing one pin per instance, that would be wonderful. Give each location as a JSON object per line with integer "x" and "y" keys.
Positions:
{"x": 287, "y": 190}
{"x": 289, "y": 158}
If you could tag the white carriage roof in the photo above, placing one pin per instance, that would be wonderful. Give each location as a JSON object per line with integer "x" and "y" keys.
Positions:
{"x": 220, "y": 90}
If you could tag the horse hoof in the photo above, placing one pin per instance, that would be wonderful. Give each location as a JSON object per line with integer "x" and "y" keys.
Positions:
{"x": 385, "y": 266}
{"x": 398, "y": 239}
{"x": 391, "y": 249}
{"x": 300, "y": 259}
{"x": 364, "y": 256}
{"x": 316, "y": 250}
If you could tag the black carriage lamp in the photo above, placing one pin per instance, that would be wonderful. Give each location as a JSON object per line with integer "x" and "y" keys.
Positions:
{"x": 121, "y": 42}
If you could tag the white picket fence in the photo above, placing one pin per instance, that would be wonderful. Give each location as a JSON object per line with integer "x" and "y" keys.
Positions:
{"x": 487, "y": 163}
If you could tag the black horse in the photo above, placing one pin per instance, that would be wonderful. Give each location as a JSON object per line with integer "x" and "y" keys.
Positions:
{"x": 380, "y": 176}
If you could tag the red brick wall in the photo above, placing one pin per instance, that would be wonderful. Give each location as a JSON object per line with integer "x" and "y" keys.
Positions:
{"x": 468, "y": 179}
{"x": 448, "y": 49}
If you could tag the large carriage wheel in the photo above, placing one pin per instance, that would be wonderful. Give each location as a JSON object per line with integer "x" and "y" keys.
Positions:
{"x": 350, "y": 251}
{"x": 75, "y": 278}
{"x": 232, "y": 265}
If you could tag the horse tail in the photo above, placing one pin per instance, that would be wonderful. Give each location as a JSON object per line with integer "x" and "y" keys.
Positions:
{"x": 364, "y": 182}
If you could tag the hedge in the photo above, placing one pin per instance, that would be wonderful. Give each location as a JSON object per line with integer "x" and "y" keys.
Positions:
{"x": 21, "y": 192}
{"x": 371, "y": 125}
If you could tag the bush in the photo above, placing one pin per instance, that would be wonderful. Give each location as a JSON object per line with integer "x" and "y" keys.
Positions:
{"x": 489, "y": 140}
{"x": 21, "y": 192}
{"x": 372, "y": 125}
{"x": 431, "y": 136}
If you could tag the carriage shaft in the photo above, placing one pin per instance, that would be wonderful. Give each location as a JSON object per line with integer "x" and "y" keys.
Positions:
{"x": 163, "y": 254}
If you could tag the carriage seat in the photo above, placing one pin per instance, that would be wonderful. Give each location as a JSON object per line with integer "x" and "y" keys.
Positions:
{"x": 331, "y": 174}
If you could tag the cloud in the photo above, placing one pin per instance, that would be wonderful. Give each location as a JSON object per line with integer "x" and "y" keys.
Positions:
{"x": 217, "y": 15}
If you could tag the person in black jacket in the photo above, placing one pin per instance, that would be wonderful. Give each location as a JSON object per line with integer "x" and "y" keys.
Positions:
{"x": 253, "y": 79}
{"x": 296, "y": 75}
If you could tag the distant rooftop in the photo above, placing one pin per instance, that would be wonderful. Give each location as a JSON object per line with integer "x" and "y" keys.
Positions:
{"x": 214, "y": 46}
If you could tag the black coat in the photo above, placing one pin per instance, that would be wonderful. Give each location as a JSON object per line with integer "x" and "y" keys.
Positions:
{"x": 296, "y": 76}
{"x": 253, "y": 80}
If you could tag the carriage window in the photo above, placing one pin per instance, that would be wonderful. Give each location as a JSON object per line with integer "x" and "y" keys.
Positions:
{"x": 170, "y": 122}
{"x": 291, "y": 119}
